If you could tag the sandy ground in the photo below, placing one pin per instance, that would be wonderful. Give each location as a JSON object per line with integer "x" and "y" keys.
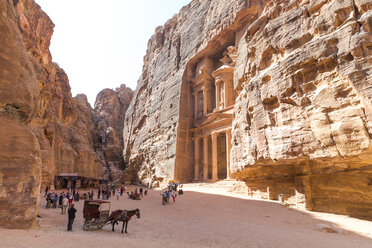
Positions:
{"x": 197, "y": 219}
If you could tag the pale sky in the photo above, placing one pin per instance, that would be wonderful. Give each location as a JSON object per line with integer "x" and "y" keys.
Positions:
{"x": 101, "y": 43}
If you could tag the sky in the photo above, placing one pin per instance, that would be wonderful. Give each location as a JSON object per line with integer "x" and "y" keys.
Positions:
{"x": 101, "y": 43}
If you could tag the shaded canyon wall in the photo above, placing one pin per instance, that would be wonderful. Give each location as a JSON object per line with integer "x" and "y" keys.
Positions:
{"x": 109, "y": 112}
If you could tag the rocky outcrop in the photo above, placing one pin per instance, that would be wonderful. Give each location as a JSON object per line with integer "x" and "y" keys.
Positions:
{"x": 109, "y": 111}
{"x": 302, "y": 117}
{"x": 152, "y": 119}
{"x": 44, "y": 130}
{"x": 303, "y": 121}
{"x": 20, "y": 155}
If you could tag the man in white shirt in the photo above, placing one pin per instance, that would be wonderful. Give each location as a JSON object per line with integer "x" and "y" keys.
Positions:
{"x": 64, "y": 205}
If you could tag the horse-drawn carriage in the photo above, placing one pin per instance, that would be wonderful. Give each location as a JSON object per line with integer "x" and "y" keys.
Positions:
{"x": 95, "y": 213}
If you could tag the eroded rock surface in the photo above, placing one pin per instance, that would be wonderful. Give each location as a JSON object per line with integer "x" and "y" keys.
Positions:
{"x": 44, "y": 131}
{"x": 20, "y": 155}
{"x": 302, "y": 122}
{"x": 109, "y": 110}
{"x": 150, "y": 132}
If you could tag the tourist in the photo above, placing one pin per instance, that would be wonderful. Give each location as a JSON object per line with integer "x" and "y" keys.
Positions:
{"x": 46, "y": 191}
{"x": 145, "y": 192}
{"x": 77, "y": 196}
{"x": 52, "y": 199}
{"x": 135, "y": 191}
{"x": 73, "y": 194}
{"x": 103, "y": 194}
{"x": 117, "y": 195}
{"x": 121, "y": 190}
{"x": 164, "y": 198}
{"x": 99, "y": 193}
{"x": 55, "y": 203}
{"x": 71, "y": 217}
{"x": 48, "y": 199}
{"x": 60, "y": 200}
{"x": 113, "y": 191}
{"x": 174, "y": 195}
{"x": 70, "y": 200}
{"x": 141, "y": 192}
{"x": 64, "y": 205}
{"x": 168, "y": 195}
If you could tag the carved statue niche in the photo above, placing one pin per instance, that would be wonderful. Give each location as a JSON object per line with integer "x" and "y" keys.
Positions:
{"x": 226, "y": 60}
{"x": 233, "y": 54}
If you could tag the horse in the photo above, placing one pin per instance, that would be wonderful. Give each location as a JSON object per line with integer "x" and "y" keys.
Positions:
{"x": 124, "y": 216}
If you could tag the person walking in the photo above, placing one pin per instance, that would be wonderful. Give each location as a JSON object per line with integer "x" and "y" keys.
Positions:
{"x": 174, "y": 196}
{"x": 77, "y": 196}
{"x": 46, "y": 191}
{"x": 60, "y": 200}
{"x": 164, "y": 198}
{"x": 71, "y": 217}
{"x": 141, "y": 192}
{"x": 99, "y": 193}
{"x": 168, "y": 195}
{"x": 117, "y": 195}
{"x": 64, "y": 205}
{"x": 49, "y": 200}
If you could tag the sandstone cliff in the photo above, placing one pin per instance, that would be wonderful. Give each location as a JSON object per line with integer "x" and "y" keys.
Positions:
{"x": 44, "y": 130}
{"x": 109, "y": 111}
{"x": 302, "y": 86}
{"x": 20, "y": 155}
{"x": 152, "y": 119}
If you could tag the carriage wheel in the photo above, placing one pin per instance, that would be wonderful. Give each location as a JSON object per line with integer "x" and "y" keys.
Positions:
{"x": 100, "y": 226}
{"x": 86, "y": 226}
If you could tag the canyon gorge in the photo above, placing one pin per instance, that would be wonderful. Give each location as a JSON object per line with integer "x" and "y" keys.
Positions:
{"x": 274, "y": 93}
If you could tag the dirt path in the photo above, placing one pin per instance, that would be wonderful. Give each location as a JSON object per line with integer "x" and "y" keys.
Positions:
{"x": 195, "y": 220}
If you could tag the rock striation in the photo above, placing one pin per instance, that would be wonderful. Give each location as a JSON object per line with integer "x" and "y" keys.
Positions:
{"x": 109, "y": 112}
{"x": 302, "y": 115}
{"x": 44, "y": 130}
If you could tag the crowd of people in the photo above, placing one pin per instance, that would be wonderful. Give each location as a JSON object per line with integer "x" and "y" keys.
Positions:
{"x": 172, "y": 190}
{"x": 62, "y": 200}
{"x": 104, "y": 192}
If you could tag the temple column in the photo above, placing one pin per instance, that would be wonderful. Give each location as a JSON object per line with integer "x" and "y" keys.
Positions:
{"x": 218, "y": 96}
{"x": 205, "y": 156}
{"x": 205, "y": 92}
{"x": 226, "y": 100}
{"x": 197, "y": 159}
{"x": 196, "y": 105}
{"x": 214, "y": 157}
{"x": 228, "y": 150}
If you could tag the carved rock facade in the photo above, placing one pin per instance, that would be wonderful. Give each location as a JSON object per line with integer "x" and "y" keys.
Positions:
{"x": 301, "y": 87}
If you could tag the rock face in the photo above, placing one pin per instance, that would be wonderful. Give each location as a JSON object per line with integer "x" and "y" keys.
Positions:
{"x": 20, "y": 155}
{"x": 109, "y": 111}
{"x": 302, "y": 119}
{"x": 152, "y": 121}
{"x": 44, "y": 130}
{"x": 303, "y": 112}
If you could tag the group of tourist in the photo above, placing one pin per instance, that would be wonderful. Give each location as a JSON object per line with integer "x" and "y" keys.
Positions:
{"x": 171, "y": 191}
{"x": 107, "y": 191}
{"x": 61, "y": 201}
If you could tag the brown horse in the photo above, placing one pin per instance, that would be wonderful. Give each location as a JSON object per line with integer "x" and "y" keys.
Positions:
{"x": 124, "y": 216}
